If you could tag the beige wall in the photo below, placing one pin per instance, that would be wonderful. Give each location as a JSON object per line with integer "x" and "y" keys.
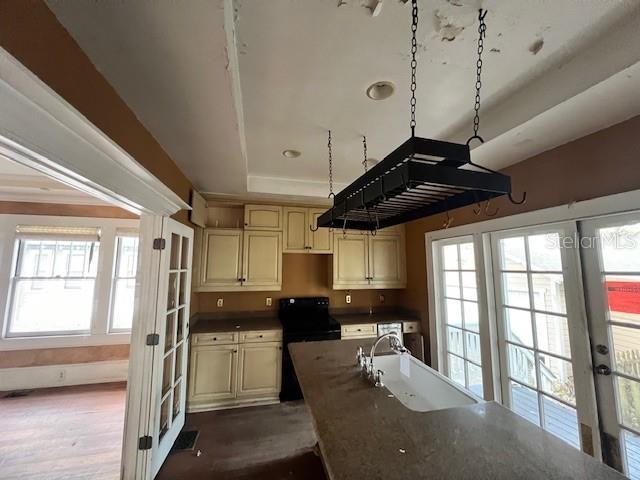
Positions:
{"x": 64, "y": 210}
{"x": 604, "y": 163}
{"x": 302, "y": 275}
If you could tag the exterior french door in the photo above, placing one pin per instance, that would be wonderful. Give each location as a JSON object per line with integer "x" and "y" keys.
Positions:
{"x": 543, "y": 345}
{"x": 172, "y": 348}
{"x": 611, "y": 265}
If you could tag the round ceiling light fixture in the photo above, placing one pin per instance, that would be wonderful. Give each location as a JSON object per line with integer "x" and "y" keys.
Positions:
{"x": 291, "y": 153}
{"x": 380, "y": 90}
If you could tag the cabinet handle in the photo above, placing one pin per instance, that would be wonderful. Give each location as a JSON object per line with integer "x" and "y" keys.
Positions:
{"x": 235, "y": 351}
{"x": 215, "y": 338}
{"x": 259, "y": 336}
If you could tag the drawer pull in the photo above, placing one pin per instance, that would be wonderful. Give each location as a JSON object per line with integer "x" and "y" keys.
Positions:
{"x": 215, "y": 338}
{"x": 259, "y": 336}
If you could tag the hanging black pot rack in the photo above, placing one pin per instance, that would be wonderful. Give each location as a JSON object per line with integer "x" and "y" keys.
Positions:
{"x": 421, "y": 177}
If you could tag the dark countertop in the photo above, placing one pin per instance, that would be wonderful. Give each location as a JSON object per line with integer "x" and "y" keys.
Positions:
{"x": 361, "y": 430}
{"x": 382, "y": 317}
{"x": 236, "y": 324}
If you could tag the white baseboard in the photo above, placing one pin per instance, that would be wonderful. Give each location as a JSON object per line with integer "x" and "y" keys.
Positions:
{"x": 63, "y": 375}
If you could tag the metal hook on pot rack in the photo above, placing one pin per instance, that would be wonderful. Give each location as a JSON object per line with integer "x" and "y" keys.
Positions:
{"x": 486, "y": 210}
{"x": 447, "y": 223}
{"x": 518, "y": 202}
{"x": 344, "y": 226}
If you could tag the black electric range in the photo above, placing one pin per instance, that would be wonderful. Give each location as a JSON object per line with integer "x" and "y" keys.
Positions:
{"x": 304, "y": 319}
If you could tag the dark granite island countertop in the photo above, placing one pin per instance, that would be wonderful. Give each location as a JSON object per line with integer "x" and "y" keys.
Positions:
{"x": 365, "y": 434}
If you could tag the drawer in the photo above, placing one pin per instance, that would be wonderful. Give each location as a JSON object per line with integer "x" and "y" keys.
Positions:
{"x": 410, "y": 327}
{"x": 218, "y": 338}
{"x": 363, "y": 329}
{"x": 261, "y": 336}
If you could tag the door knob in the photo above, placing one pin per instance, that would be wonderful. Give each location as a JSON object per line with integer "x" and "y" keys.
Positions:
{"x": 602, "y": 370}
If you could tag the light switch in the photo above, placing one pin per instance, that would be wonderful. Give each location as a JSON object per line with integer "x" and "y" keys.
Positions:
{"x": 348, "y": 298}
{"x": 381, "y": 298}
{"x": 220, "y": 302}
{"x": 269, "y": 301}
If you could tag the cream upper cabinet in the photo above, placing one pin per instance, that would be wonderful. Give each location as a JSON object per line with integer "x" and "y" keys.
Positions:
{"x": 262, "y": 259}
{"x": 237, "y": 260}
{"x": 387, "y": 261}
{"x": 259, "y": 369}
{"x": 263, "y": 217}
{"x": 298, "y": 236}
{"x": 320, "y": 241}
{"x": 296, "y": 225}
{"x": 350, "y": 261}
{"x": 221, "y": 258}
{"x": 212, "y": 374}
{"x": 362, "y": 260}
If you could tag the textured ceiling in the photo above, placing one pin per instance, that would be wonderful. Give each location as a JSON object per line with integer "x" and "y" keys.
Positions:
{"x": 209, "y": 77}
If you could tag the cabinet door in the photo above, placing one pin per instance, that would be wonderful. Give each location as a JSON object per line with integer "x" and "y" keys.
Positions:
{"x": 221, "y": 258}
{"x": 320, "y": 241}
{"x": 212, "y": 373}
{"x": 350, "y": 261}
{"x": 263, "y": 217}
{"x": 262, "y": 259}
{"x": 260, "y": 366}
{"x": 386, "y": 261}
{"x": 296, "y": 226}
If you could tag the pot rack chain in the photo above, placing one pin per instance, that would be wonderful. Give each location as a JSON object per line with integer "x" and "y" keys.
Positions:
{"x": 364, "y": 150}
{"x": 482, "y": 32}
{"x": 414, "y": 64}
{"x": 331, "y": 194}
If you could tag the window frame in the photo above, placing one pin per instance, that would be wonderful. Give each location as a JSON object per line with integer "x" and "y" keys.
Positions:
{"x": 487, "y": 332}
{"x": 19, "y": 245}
{"x": 114, "y": 277}
{"x": 99, "y": 332}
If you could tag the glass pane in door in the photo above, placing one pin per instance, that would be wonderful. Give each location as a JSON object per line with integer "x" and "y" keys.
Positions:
{"x": 620, "y": 279}
{"x": 460, "y": 315}
{"x": 532, "y": 305}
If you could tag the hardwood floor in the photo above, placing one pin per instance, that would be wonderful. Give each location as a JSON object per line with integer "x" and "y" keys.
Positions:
{"x": 254, "y": 443}
{"x": 69, "y": 433}
{"x": 75, "y": 433}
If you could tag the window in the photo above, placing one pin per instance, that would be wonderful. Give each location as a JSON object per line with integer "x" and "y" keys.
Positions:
{"x": 461, "y": 325}
{"x": 52, "y": 289}
{"x": 124, "y": 283}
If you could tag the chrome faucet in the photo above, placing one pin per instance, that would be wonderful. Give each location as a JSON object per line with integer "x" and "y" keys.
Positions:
{"x": 367, "y": 368}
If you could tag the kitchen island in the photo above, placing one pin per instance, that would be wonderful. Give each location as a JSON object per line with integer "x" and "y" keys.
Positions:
{"x": 366, "y": 433}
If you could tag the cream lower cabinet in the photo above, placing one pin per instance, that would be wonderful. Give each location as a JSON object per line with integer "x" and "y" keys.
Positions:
{"x": 212, "y": 375}
{"x": 298, "y": 236}
{"x": 363, "y": 261}
{"x": 234, "y": 374}
{"x": 259, "y": 369}
{"x": 239, "y": 260}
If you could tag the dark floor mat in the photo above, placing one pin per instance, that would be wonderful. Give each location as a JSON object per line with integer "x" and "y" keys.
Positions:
{"x": 18, "y": 393}
{"x": 186, "y": 440}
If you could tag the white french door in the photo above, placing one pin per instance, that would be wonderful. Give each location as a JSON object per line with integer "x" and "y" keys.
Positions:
{"x": 543, "y": 345}
{"x": 172, "y": 348}
{"x": 611, "y": 264}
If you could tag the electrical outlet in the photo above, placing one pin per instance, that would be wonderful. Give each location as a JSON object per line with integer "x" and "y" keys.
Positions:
{"x": 61, "y": 375}
{"x": 348, "y": 298}
{"x": 381, "y": 298}
{"x": 220, "y": 302}
{"x": 269, "y": 301}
